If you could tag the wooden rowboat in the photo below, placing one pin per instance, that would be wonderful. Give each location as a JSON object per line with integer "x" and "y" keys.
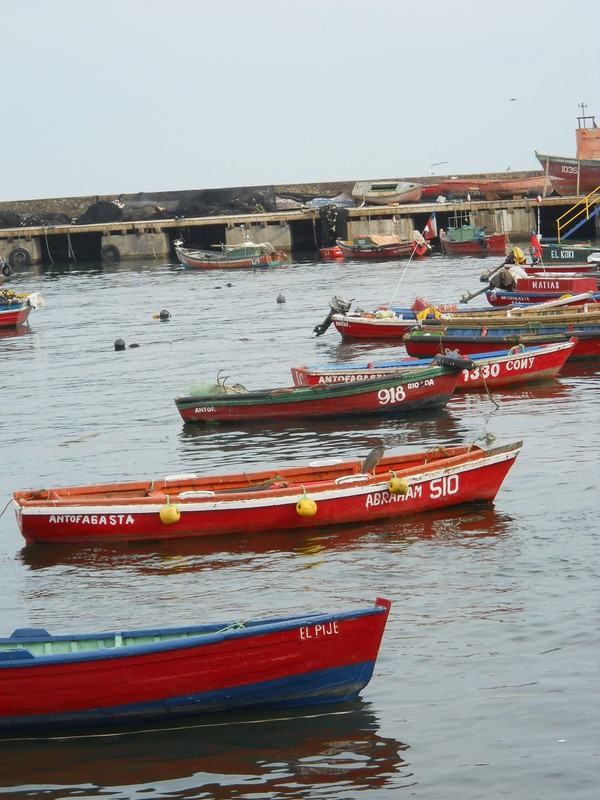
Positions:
{"x": 389, "y": 396}
{"x": 383, "y": 324}
{"x": 382, "y": 246}
{"x": 14, "y": 309}
{"x": 541, "y": 288}
{"x": 383, "y": 193}
{"x": 468, "y": 342}
{"x": 569, "y": 256}
{"x": 472, "y": 240}
{"x": 132, "y": 676}
{"x": 327, "y": 492}
{"x": 491, "y": 370}
{"x": 247, "y": 254}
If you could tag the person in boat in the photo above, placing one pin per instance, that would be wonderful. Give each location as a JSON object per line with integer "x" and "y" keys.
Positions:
{"x": 507, "y": 276}
{"x": 516, "y": 257}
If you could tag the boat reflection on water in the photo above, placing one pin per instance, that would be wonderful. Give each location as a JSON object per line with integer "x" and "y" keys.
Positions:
{"x": 12, "y": 333}
{"x": 233, "y": 755}
{"x": 344, "y": 438}
{"x": 459, "y": 526}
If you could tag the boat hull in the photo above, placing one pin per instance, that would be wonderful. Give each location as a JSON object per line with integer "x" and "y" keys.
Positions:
{"x": 555, "y": 254}
{"x": 384, "y": 193}
{"x": 503, "y": 368}
{"x": 206, "y": 259}
{"x": 401, "y": 250}
{"x": 265, "y": 501}
{"x": 391, "y": 395}
{"x": 368, "y": 326}
{"x": 419, "y": 345}
{"x": 492, "y": 244}
{"x": 14, "y": 315}
{"x": 501, "y": 298}
{"x": 294, "y": 661}
{"x": 571, "y": 176}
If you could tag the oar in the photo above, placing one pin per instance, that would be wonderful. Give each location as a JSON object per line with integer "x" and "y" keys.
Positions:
{"x": 484, "y": 277}
{"x": 470, "y": 295}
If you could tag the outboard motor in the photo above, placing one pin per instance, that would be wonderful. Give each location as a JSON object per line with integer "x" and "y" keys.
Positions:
{"x": 337, "y": 305}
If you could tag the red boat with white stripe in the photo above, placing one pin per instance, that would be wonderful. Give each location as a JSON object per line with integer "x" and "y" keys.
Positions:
{"x": 491, "y": 370}
{"x": 326, "y": 492}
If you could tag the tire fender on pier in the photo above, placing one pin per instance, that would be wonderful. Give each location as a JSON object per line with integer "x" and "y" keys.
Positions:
{"x": 19, "y": 257}
{"x": 110, "y": 252}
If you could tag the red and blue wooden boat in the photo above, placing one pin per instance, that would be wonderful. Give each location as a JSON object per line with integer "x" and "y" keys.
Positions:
{"x": 389, "y": 396}
{"x": 246, "y": 254}
{"x": 425, "y": 344}
{"x": 542, "y": 288}
{"x": 390, "y": 323}
{"x": 385, "y": 322}
{"x": 133, "y": 676}
{"x": 491, "y": 370}
{"x": 14, "y": 309}
{"x": 326, "y": 492}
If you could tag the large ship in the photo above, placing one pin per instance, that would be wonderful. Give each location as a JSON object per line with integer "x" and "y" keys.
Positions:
{"x": 580, "y": 175}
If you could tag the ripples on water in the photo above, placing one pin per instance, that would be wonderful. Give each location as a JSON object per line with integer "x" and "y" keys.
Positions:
{"x": 486, "y": 685}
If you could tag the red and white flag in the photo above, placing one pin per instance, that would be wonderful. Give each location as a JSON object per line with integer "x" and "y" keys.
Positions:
{"x": 430, "y": 230}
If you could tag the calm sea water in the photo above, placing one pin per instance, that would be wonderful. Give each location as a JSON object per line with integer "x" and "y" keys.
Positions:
{"x": 487, "y": 681}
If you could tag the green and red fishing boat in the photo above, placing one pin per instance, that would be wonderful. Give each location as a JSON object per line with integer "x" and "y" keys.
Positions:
{"x": 388, "y": 396}
{"x": 245, "y": 254}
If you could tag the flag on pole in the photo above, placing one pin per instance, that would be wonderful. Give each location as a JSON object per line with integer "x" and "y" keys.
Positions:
{"x": 430, "y": 230}
{"x": 536, "y": 248}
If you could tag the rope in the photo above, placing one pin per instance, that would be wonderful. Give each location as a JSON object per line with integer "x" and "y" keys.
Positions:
{"x": 487, "y": 391}
{"x": 405, "y": 268}
{"x": 5, "y": 507}
{"x": 71, "y": 252}
{"x": 47, "y": 245}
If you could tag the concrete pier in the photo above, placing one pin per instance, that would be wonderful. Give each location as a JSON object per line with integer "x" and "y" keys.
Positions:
{"x": 59, "y": 234}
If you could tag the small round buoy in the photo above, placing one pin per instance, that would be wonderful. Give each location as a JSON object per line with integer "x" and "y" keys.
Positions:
{"x": 306, "y": 507}
{"x": 119, "y": 344}
{"x": 169, "y": 514}
{"x": 280, "y": 298}
{"x": 164, "y": 314}
{"x": 398, "y": 485}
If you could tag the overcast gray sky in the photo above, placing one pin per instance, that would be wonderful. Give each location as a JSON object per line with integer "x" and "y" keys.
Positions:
{"x": 123, "y": 96}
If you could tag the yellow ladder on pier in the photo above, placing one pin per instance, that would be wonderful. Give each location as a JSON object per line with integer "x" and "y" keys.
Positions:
{"x": 578, "y": 214}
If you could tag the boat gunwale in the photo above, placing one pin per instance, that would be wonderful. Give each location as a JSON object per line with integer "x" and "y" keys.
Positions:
{"x": 307, "y": 393}
{"x": 443, "y": 462}
{"x": 179, "y": 638}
